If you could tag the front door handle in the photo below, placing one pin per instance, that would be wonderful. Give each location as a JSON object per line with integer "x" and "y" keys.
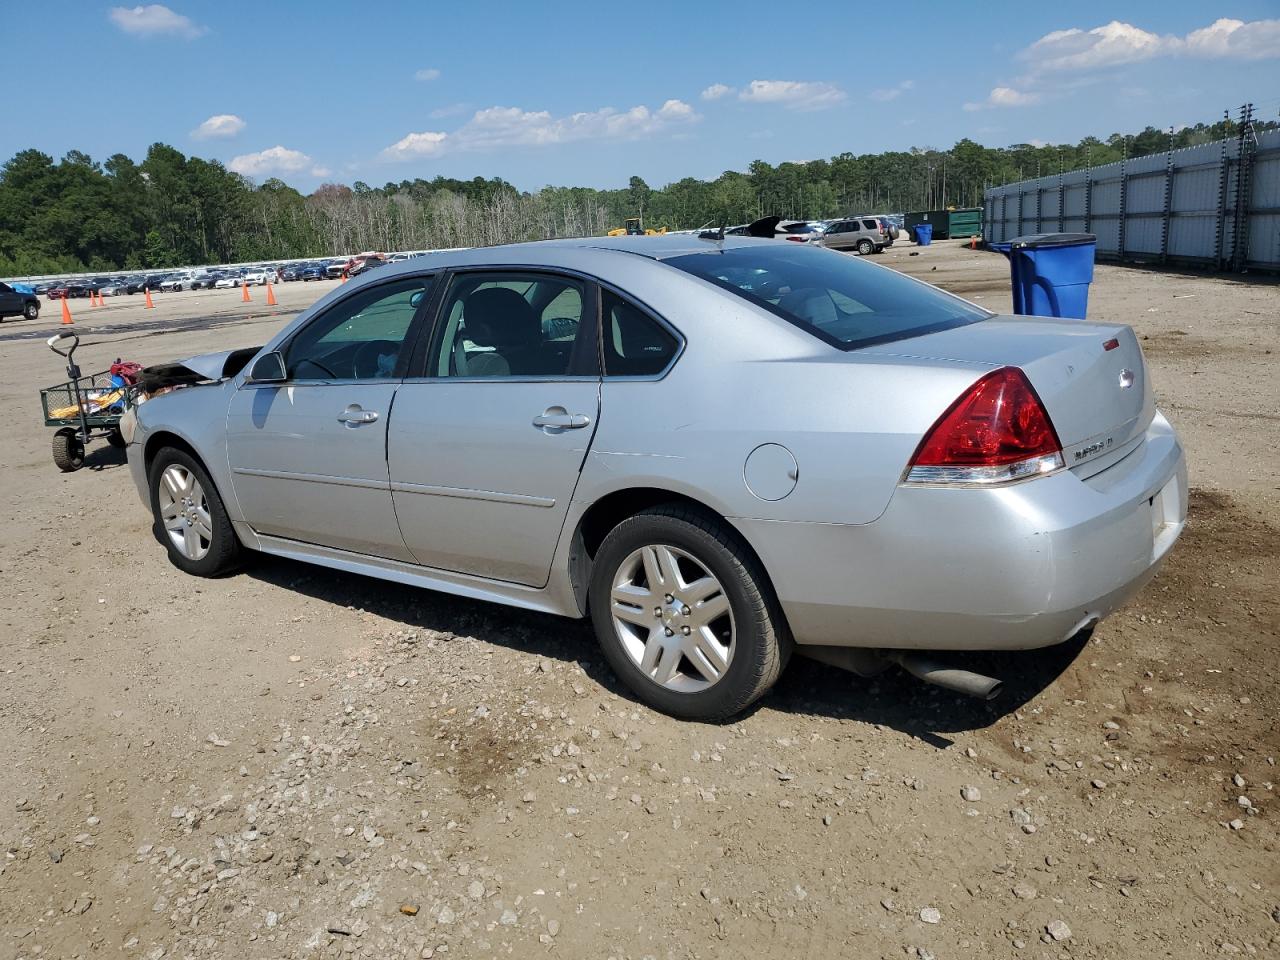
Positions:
{"x": 355, "y": 415}
{"x": 562, "y": 421}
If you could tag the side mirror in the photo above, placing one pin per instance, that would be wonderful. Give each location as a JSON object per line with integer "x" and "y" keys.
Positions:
{"x": 268, "y": 368}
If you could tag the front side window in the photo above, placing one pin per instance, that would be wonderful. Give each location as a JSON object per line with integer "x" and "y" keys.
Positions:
{"x": 635, "y": 344}
{"x": 843, "y": 301}
{"x": 360, "y": 337}
{"x": 513, "y": 325}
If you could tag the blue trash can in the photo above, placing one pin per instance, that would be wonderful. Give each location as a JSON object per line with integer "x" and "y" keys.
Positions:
{"x": 924, "y": 234}
{"x": 1050, "y": 273}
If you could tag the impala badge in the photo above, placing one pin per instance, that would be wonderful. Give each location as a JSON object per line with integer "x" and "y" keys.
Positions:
{"x": 1126, "y": 379}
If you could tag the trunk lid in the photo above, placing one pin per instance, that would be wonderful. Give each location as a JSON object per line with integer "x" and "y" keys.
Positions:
{"x": 1091, "y": 377}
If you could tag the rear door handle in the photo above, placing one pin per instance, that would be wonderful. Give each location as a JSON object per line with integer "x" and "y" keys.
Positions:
{"x": 562, "y": 421}
{"x": 356, "y": 415}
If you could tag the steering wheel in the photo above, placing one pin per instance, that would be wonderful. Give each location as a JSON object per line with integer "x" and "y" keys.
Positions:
{"x": 318, "y": 365}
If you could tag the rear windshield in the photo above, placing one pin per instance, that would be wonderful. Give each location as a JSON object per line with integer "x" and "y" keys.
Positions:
{"x": 840, "y": 299}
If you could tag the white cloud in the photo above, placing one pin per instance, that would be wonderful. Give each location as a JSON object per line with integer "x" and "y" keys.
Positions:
{"x": 274, "y": 160}
{"x": 1235, "y": 39}
{"x": 153, "y": 20}
{"x": 885, "y": 94}
{"x": 427, "y": 73}
{"x": 1004, "y": 97}
{"x": 796, "y": 94}
{"x": 499, "y": 127}
{"x": 426, "y": 144}
{"x": 318, "y": 171}
{"x": 716, "y": 91}
{"x": 1117, "y": 43}
{"x": 220, "y": 125}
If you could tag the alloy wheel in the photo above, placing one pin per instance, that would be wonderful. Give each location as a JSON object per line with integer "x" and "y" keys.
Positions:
{"x": 673, "y": 618}
{"x": 184, "y": 512}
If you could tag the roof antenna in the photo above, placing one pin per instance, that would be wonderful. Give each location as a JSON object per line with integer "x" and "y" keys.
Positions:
{"x": 716, "y": 235}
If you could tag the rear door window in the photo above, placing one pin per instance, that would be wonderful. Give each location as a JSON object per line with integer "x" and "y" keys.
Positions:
{"x": 635, "y": 344}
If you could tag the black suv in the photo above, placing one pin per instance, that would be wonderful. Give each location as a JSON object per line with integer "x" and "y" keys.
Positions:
{"x": 16, "y": 304}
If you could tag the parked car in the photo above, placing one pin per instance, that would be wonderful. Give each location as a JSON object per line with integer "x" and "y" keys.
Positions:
{"x": 292, "y": 272}
{"x": 228, "y": 280}
{"x": 864, "y": 234}
{"x": 314, "y": 271}
{"x": 42, "y": 287}
{"x": 334, "y": 269}
{"x": 67, "y": 291}
{"x": 258, "y": 277}
{"x": 364, "y": 266}
{"x": 155, "y": 281}
{"x": 18, "y": 303}
{"x": 714, "y": 450}
{"x": 802, "y": 231}
{"x": 114, "y": 288}
{"x": 181, "y": 281}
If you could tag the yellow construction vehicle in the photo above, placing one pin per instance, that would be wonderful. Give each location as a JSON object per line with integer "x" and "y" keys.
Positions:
{"x": 633, "y": 229}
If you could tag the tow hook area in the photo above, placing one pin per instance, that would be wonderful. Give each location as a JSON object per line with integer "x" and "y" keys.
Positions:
{"x": 867, "y": 663}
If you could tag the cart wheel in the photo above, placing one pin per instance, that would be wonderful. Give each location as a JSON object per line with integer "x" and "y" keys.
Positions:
{"x": 68, "y": 450}
{"x": 116, "y": 438}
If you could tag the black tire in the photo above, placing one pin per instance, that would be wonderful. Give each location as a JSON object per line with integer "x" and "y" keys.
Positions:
{"x": 866, "y": 247}
{"x": 224, "y": 547}
{"x": 763, "y": 643}
{"x": 31, "y": 310}
{"x": 68, "y": 450}
{"x": 116, "y": 438}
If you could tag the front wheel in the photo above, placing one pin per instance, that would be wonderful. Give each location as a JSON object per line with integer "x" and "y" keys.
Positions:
{"x": 685, "y": 614}
{"x": 190, "y": 517}
{"x": 866, "y": 247}
{"x": 31, "y": 311}
{"x": 68, "y": 450}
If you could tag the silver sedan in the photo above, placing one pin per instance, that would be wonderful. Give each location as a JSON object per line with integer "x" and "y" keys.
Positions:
{"x": 720, "y": 451}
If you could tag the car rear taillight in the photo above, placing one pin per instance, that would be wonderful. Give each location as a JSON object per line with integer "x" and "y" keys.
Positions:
{"x": 995, "y": 432}
{"x": 792, "y": 236}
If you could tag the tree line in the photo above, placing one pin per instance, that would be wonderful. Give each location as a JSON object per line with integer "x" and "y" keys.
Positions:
{"x": 173, "y": 210}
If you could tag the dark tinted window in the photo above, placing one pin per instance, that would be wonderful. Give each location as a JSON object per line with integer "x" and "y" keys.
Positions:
{"x": 871, "y": 224}
{"x": 635, "y": 345}
{"x": 514, "y": 325}
{"x": 843, "y": 300}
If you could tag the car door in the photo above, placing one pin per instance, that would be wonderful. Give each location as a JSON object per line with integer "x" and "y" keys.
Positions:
{"x": 837, "y": 238}
{"x": 10, "y": 301}
{"x": 486, "y": 443}
{"x": 308, "y": 455}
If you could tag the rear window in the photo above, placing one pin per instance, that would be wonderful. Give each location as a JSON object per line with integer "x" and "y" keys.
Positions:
{"x": 870, "y": 225}
{"x": 842, "y": 300}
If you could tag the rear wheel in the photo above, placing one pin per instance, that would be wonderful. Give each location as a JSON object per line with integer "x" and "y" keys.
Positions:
{"x": 190, "y": 517}
{"x": 68, "y": 450}
{"x": 685, "y": 615}
{"x": 866, "y": 247}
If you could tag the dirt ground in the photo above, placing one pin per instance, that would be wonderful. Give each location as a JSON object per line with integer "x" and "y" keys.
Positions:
{"x": 295, "y": 763}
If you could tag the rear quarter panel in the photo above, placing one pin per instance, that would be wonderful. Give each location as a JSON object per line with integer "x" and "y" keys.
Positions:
{"x": 748, "y": 378}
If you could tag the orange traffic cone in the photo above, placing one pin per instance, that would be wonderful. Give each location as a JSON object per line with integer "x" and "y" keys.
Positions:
{"x": 66, "y": 311}
{"x": 244, "y": 293}
{"x": 973, "y": 242}
{"x": 93, "y": 298}
{"x": 150, "y": 305}
{"x": 271, "y": 296}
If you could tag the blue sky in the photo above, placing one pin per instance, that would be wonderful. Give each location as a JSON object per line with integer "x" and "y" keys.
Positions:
{"x": 590, "y": 93}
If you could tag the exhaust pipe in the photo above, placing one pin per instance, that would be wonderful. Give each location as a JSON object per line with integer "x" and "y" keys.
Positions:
{"x": 950, "y": 678}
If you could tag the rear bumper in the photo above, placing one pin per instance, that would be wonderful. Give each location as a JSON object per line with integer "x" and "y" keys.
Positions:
{"x": 1019, "y": 567}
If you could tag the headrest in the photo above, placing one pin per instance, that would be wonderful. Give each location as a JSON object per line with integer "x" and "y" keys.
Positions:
{"x": 499, "y": 317}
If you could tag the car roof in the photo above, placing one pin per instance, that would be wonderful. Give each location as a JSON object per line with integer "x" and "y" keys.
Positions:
{"x": 657, "y": 247}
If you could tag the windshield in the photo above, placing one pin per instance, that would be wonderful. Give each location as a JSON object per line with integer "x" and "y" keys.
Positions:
{"x": 836, "y": 297}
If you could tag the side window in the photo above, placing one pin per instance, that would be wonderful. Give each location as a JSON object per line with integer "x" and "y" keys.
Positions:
{"x": 635, "y": 345}
{"x": 360, "y": 337}
{"x": 513, "y": 325}
{"x": 870, "y": 225}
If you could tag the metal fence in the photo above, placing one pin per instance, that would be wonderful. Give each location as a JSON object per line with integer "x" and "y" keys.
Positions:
{"x": 1217, "y": 205}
